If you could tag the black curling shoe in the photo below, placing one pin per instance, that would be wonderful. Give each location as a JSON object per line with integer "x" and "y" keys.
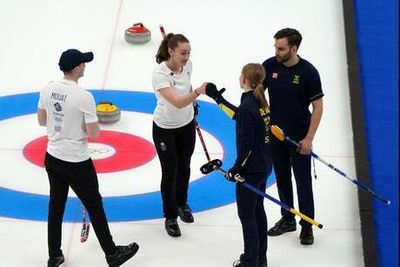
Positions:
{"x": 185, "y": 213}
{"x": 172, "y": 227}
{"x": 55, "y": 261}
{"x": 282, "y": 227}
{"x": 122, "y": 254}
{"x": 306, "y": 236}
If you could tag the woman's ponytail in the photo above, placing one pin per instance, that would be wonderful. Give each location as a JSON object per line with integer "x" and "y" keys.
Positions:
{"x": 254, "y": 73}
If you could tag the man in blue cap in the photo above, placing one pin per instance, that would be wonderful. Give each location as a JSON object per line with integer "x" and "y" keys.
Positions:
{"x": 69, "y": 114}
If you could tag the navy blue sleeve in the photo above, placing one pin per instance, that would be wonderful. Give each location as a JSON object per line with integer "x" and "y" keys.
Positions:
{"x": 314, "y": 87}
{"x": 245, "y": 135}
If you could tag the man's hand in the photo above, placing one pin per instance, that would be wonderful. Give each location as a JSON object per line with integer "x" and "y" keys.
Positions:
{"x": 305, "y": 146}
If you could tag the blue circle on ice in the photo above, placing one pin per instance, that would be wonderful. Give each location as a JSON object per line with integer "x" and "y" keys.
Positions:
{"x": 208, "y": 192}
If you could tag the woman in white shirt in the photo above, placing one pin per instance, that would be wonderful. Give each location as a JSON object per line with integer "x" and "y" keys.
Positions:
{"x": 174, "y": 127}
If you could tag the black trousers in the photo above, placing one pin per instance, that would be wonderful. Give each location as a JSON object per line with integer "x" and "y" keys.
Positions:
{"x": 252, "y": 216}
{"x": 82, "y": 178}
{"x": 285, "y": 157}
{"x": 174, "y": 148}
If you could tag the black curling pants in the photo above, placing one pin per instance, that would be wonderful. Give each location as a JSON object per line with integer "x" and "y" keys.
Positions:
{"x": 82, "y": 178}
{"x": 174, "y": 148}
{"x": 285, "y": 158}
{"x": 252, "y": 215}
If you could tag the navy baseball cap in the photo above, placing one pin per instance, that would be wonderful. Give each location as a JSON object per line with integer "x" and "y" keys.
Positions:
{"x": 71, "y": 58}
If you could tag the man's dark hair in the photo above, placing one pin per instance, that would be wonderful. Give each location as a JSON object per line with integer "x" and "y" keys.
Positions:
{"x": 293, "y": 36}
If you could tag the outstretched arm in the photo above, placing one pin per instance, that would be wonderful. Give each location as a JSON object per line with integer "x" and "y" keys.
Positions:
{"x": 180, "y": 101}
{"x": 214, "y": 93}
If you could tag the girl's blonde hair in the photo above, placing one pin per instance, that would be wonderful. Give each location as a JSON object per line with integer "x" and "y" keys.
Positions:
{"x": 254, "y": 73}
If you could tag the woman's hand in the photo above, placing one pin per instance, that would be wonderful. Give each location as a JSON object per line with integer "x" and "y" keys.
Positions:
{"x": 201, "y": 89}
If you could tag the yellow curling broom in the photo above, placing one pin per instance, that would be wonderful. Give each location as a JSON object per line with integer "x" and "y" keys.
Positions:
{"x": 211, "y": 166}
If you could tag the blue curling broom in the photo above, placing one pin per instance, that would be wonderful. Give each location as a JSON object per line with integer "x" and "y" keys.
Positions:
{"x": 281, "y": 136}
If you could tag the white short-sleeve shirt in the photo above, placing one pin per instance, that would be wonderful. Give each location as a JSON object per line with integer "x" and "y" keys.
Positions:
{"x": 68, "y": 108}
{"x": 166, "y": 115}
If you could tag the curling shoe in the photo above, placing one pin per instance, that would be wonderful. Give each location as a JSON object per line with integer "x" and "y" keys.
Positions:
{"x": 122, "y": 254}
{"x": 55, "y": 261}
{"x": 240, "y": 263}
{"x": 306, "y": 236}
{"x": 185, "y": 213}
{"x": 282, "y": 227}
{"x": 172, "y": 227}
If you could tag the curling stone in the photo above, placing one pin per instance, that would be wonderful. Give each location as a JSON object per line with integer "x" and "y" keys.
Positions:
{"x": 107, "y": 112}
{"x": 137, "y": 34}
